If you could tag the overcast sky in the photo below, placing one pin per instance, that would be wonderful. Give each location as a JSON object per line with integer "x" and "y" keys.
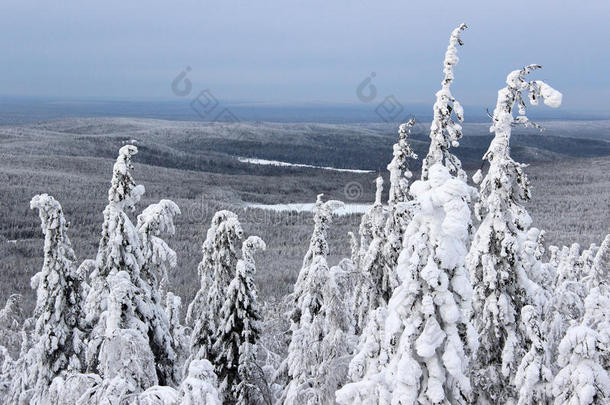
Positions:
{"x": 300, "y": 51}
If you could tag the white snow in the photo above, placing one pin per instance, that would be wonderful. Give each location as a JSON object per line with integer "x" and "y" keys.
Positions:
{"x": 347, "y": 209}
{"x": 265, "y": 162}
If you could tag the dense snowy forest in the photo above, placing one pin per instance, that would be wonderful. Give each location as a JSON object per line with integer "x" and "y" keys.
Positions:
{"x": 450, "y": 295}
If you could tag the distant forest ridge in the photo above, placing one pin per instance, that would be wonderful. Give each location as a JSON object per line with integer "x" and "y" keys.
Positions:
{"x": 25, "y": 110}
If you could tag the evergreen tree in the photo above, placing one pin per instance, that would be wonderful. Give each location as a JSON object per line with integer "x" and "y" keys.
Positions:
{"x": 126, "y": 362}
{"x": 199, "y": 387}
{"x": 306, "y": 364}
{"x": 318, "y": 247}
{"x": 127, "y": 319}
{"x": 216, "y": 270}
{"x": 501, "y": 286}
{"x": 366, "y": 367}
{"x": 119, "y": 249}
{"x": 597, "y": 273}
{"x": 427, "y": 337}
{"x": 584, "y": 377}
{"x": 444, "y": 131}
{"x": 158, "y": 256}
{"x": 180, "y": 334}
{"x": 58, "y": 337}
{"x": 374, "y": 286}
{"x": 239, "y": 331}
{"x": 565, "y": 304}
{"x": 400, "y": 214}
{"x": 534, "y": 377}
{"x": 155, "y": 220}
{"x": 11, "y": 321}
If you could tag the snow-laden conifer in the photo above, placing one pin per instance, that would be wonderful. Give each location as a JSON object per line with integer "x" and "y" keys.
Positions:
{"x": 597, "y": 272}
{"x": 180, "y": 334}
{"x": 427, "y": 338}
{"x": 400, "y": 214}
{"x": 565, "y": 304}
{"x": 308, "y": 359}
{"x": 374, "y": 286}
{"x": 216, "y": 270}
{"x": 583, "y": 378}
{"x": 200, "y": 385}
{"x": 543, "y": 274}
{"x": 58, "y": 334}
{"x": 534, "y": 377}
{"x": 73, "y": 389}
{"x": 155, "y": 220}
{"x": 126, "y": 362}
{"x": 366, "y": 367}
{"x": 11, "y": 321}
{"x": 444, "y": 131}
{"x": 399, "y": 166}
{"x": 119, "y": 249}
{"x": 20, "y": 381}
{"x": 239, "y": 331}
{"x": 497, "y": 269}
{"x": 318, "y": 247}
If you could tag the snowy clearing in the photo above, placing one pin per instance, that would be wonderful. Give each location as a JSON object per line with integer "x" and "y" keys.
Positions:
{"x": 264, "y": 162}
{"x": 347, "y": 209}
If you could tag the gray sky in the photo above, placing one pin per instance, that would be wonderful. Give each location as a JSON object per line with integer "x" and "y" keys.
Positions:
{"x": 300, "y": 51}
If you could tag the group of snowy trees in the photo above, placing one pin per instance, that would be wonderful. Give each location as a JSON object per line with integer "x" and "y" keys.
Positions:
{"x": 477, "y": 315}
{"x": 109, "y": 331}
{"x": 432, "y": 307}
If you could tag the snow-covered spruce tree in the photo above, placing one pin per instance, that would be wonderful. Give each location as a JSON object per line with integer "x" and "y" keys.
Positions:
{"x": 181, "y": 336}
{"x": 538, "y": 272}
{"x": 367, "y": 365}
{"x": 119, "y": 250}
{"x": 353, "y": 244}
{"x": 597, "y": 303}
{"x": 374, "y": 286}
{"x": 421, "y": 354}
{"x": 586, "y": 259}
{"x": 309, "y": 319}
{"x": 199, "y": 387}
{"x": 597, "y": 273}
{"x": 399, "y": 166}
{"x": 501, "y": 285}
{"x": 126, "y": 362}
{"x": 216, "y": 270}
{"x": 20, "y": 380}
{"x": 427, "y": 336}
{"x": 239, "y": 331}
{"x": 338, "y": 343}
{"x": 400, "y": 214}
{"x": 565, "y": 304}
{"x": 318, "y": 247}
{"x": 58, "y": 334}
{"x": 155, "y": 220}
{"x": 444, "y": 131}
{"x": 11, "y": 321}
{"x": 584, "y": 377}
{"x": 534, "y": 377}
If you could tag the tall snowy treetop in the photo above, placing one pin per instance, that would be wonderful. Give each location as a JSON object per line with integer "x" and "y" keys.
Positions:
{"x": 451, "y": 58}
{"x": 123, "y": 187}
{"x": 444, "y": 131}
{"x": 513, "y": 93}
{"x": 251, "y": 245}
{"x": 378, "y": 190}
{"x": 49, "y": 209}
